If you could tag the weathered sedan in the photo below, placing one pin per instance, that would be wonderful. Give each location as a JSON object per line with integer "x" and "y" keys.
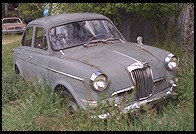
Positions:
{"x": 86, "y": 57}
{"x": 12, "y": 25}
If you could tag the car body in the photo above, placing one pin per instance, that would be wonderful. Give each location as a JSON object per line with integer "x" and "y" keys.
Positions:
{"x": 87, "y": 56}
{"x": 12, "y": 25}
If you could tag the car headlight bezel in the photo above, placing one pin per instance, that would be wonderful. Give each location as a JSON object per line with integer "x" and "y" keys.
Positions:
{"x": 171, "y": 62}
{"x": 99, "y": 81}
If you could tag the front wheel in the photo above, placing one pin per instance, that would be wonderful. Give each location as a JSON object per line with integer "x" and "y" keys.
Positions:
{"x": 67, "y": 100}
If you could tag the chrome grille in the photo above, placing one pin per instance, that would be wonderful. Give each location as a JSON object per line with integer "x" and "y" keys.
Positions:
{"x": 142, "y": 78}
{"x": 18, "y": 28}
{"x": 11, "y": 28}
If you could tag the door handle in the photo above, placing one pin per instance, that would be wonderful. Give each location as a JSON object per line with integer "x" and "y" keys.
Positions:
{"x": 30, "y": 57}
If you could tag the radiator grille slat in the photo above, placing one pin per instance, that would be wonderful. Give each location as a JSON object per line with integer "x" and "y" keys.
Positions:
{"x": 143, "y": 81}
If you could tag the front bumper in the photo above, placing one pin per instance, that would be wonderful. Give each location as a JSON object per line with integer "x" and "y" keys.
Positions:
{"x": 154, "y": 99}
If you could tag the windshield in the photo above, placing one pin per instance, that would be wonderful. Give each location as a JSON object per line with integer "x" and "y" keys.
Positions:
{"x": 11, "y": 21}
{"x": 81, "y": 32}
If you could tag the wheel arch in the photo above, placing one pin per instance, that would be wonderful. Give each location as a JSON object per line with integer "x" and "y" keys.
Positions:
{"x": 67, "y": 89}
{"x": 16, "y": 69}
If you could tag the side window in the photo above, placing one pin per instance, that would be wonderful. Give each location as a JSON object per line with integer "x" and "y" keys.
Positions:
{"x": 27, "y": 39}
{"x": 40, "y": 39}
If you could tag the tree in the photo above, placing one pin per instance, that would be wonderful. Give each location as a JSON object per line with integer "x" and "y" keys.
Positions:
{"x": 31, "y": 10}
{"x": 188, "y": 40}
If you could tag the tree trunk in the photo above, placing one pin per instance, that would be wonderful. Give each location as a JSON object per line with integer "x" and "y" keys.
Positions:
{"x": 6, "y": 9}
{"x": 188, "y": 43}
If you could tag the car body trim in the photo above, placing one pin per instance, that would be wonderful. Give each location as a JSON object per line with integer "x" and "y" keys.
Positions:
{"x": 158, "y": 80}
{"x": 66, "y": 74}
{"x": 126, "y": 55}
{"x": 122, "y": 90}
{"x": 167, "y": 60}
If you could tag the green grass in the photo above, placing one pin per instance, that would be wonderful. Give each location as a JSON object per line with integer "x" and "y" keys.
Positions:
{"x": 27, "y": 106}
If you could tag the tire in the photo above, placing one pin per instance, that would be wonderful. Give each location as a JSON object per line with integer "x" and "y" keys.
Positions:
{"x": 67, "y": 100}
{"x": 18, "y": 73}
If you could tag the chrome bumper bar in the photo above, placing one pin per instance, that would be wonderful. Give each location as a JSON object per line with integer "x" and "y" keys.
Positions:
{"x": 139, "y": 104}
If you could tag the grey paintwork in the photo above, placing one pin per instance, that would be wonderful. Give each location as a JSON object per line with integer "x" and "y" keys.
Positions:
{"x": 73, "y": 67}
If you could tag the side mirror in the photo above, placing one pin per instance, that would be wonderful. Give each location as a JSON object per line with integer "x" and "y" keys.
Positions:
{"x": 139, "y": 40}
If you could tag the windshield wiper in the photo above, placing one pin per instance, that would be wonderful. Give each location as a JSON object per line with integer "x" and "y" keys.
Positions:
{"x": 112, "y": 39}
{"x": 93, "y": 41}
{"x": 103, "y": 41}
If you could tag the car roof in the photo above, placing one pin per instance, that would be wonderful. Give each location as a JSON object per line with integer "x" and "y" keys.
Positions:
{"x": 59, "y": 19}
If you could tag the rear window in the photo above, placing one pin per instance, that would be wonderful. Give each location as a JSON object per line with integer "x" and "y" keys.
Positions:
{"x": 11, "y": 21}
{"x": 27, "y": 38}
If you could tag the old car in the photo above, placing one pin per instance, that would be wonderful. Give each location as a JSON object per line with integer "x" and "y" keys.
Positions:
{"x": 85, "y": 57}
{"x": 12, "y": 25}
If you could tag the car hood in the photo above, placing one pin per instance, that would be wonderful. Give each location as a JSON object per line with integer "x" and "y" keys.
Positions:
{"x": 113, "y": 60}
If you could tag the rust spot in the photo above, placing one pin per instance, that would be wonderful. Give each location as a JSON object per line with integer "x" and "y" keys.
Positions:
{"x": 90, "y": 64}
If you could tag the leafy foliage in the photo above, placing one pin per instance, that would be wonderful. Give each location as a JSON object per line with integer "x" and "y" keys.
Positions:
{"x": 164, "y": 16}
{"x": 31, "y": 10}
{"x": 113, "y": 10}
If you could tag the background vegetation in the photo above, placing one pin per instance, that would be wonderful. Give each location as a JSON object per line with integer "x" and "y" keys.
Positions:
{"x": 26, "y": 107}
{"x": 161, "y": 14}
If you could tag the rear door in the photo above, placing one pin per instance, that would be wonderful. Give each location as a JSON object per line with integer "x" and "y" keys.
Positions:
{"x": 21, "y": 54}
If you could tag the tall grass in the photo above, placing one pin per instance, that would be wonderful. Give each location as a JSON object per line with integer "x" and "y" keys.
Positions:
{"x": 27, "y": 106}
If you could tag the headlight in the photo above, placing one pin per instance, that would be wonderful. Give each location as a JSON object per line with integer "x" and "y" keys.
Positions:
{"x": 99, "y": 81}
{"x": 171, "y": 62}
